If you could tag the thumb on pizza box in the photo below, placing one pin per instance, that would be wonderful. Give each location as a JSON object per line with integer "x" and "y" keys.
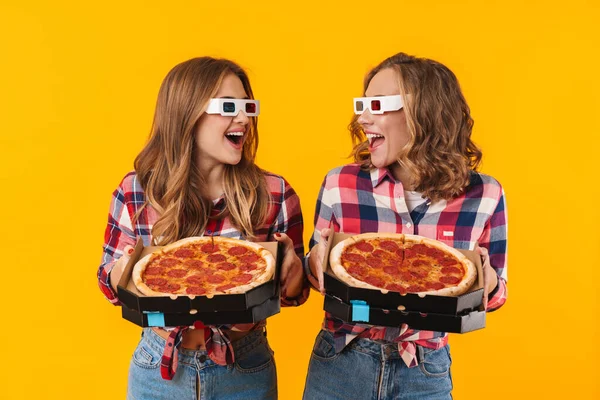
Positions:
{"x": 128, "y": 250}
{"x": 119, "y": 266}
{"x": 288, "y": 247}
{"x": 285, "y": 239}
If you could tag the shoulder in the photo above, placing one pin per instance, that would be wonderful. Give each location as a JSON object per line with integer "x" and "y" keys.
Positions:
{"x": 276, "y": 184}
{"x": 345, "y": 176}
{"x": 130, "y": 186}
{"x": 485, "y": 186}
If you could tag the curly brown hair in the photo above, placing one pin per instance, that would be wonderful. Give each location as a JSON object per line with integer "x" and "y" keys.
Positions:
{"x": 440, "y": 154}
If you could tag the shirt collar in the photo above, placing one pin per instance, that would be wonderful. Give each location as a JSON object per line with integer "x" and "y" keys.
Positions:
{"x": 378, "y": 175}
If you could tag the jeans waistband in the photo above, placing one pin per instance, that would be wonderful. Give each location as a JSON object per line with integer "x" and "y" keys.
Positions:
{"x": 188, "y": 356}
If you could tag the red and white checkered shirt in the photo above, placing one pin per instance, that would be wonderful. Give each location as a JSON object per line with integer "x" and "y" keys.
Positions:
{"x": 359, "y": 201}
{"x": 284, "y": 216}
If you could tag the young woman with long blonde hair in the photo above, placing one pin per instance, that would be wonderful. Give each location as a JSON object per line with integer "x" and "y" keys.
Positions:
{"x": 196, "y": 176}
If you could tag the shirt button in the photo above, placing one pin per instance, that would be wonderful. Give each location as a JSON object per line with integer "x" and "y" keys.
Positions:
{"x": 209, "y": 231}
{"x": 408, "y": 224}
{"x": 202, "y": 358}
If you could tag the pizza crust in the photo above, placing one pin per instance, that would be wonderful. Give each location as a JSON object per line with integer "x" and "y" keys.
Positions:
{"x": 140, "y": 266}
{"x": 335, "y": 262}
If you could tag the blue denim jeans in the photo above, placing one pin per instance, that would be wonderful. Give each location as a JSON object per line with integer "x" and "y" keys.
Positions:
{"x": 368, "y": 370}
{"x": 252, "y": 376}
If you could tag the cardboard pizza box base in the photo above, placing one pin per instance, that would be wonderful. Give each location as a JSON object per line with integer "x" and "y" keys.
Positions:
{"x": 468, "y": 322}
{"x": 251, "y": 315}
{"x": 134, "y": 300}
{"x": 452, "y": 305}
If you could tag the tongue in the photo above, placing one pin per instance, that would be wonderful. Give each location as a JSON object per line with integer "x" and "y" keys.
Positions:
{"x": 377, "y": 141}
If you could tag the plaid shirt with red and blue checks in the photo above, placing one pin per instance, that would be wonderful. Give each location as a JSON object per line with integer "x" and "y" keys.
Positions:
{"x": 284, "y": 216}
{"x": 359, "y": 201}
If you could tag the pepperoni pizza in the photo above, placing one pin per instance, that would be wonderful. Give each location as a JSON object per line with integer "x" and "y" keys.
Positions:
{"x": 402, "y": 263}
{"x": 203, "y": 266}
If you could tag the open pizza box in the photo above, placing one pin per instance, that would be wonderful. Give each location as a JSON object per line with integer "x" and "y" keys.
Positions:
{"x": 472, "y": 300}
{"x": 134, "y": 300}
{"x": 251, "y": 315}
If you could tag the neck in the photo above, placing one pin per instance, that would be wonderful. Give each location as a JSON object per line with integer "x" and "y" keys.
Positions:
{"x": 401, "y": 174}
{"x": 213, "y": 178}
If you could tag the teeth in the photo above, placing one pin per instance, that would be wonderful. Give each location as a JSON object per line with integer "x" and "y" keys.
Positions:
{"x": 373, "y": 136}
{"x": 235, "y": 134}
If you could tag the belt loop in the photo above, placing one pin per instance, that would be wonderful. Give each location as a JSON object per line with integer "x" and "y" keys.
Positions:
{"x": 419, "y": 354}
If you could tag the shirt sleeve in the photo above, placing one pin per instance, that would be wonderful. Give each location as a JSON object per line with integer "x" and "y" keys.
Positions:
{"x": 323, "y": 214}
{"x": 290, "y": 222}
{"x": 118, "y": 234}
{"x": 494, "y": 239}
{"x": 323, "y": 218}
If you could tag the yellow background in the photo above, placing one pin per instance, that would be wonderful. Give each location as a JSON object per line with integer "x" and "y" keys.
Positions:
{"x": 78, "y": 84}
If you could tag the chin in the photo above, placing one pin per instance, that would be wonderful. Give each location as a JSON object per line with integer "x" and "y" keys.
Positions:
{"x": 233, "y": 161}
{"x": 378, "y": 162}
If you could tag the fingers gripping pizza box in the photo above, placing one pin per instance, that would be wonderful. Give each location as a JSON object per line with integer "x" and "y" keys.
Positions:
{"x": 405, "y": 273}
{"x": 358, "y": 311}
{"x": 197, "y": 275}
{"x": 251, "y": 315}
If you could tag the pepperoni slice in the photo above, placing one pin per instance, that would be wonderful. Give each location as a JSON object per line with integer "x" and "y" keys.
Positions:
{"x": 168, "y": 262}
{"x": 193, "y": 264}
{"x": 451, "y": 270}
{"x": 358, "y": 271}
{"x": 374, "y": 262}
{"x": 418, "y": 263}
{"x": 250, "y": 258}
{"x": 408, "y": 253}
{"x": 401, "y": 254}
{"x": 418, "y": 273}
{"x": 226, "y": 266}
{"x": 380, "y": 254}
{"x": 209, "y": 248}
{"x": 215, "y": 258}
{"x": 394, "y": 287}
{"x": 450, "y": 280}
{"x": 445, "y": 262}
{"x": 195, "y": 279}
{"x": 177, "y": 273}
{"x": 155, "y": 270}
{"x": 415, "y": 289}
{"x": 243, "y": 278}
{"x": 170, "y": 287}
{"x": 184, "y": 253}
{"x": 195, "y": 290}
{"x": 389, "y": 245}
{"x": 156, "y": 281}
{"x": 215, "y": 278}
{"x": 375, "y": 281}
{"x": 353, "y": 257}
{"x": 237, "y": 250}
{"x": 391, "y": 270}
{"x": 419, "y": 248}
{"x": 224, "y": 287}
{"x": 406, "y": 276}
{"x": 434, "y": 285}
{"x": 248, "y": 267}
{"x": 435, "y": 253}
{"x": 364, "y": 246}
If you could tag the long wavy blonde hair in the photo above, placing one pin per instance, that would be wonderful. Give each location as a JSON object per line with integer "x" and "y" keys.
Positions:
{"x": 167, "y": 169}
{"x": 440, "y": 153}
